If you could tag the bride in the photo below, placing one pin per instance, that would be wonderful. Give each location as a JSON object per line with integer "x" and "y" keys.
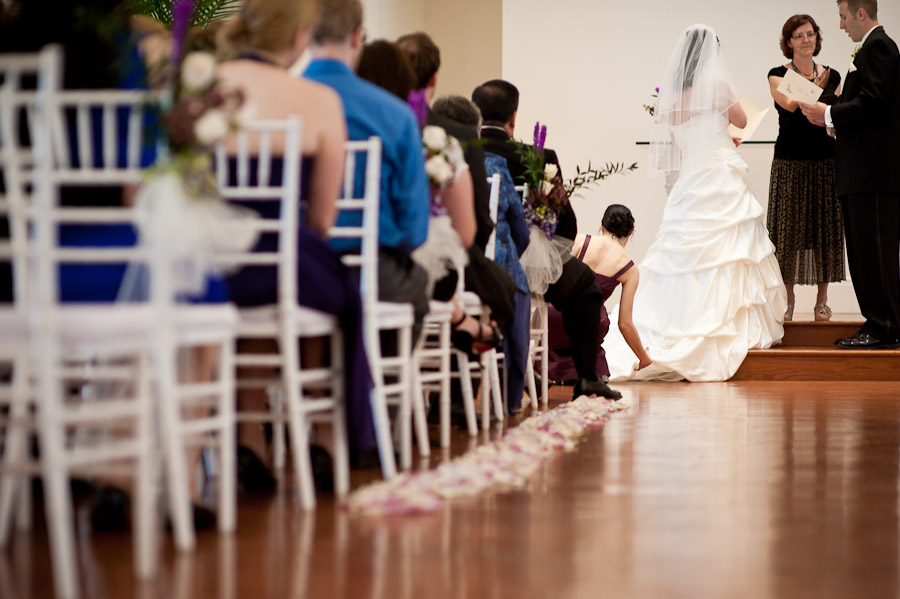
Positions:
{"x": 710, "y": 285}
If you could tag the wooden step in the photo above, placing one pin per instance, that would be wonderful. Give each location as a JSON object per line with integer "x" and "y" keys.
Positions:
{"x": 818, "y": 334}
{"x": 819, "y": 363}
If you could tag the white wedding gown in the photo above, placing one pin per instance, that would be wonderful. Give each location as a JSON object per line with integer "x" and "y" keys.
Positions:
{"x": 710, "y": 286}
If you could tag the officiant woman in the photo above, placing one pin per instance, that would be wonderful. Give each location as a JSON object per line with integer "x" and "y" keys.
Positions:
{"x": 804, "y": 217}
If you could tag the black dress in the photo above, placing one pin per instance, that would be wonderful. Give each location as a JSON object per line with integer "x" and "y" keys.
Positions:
{"x": 804, "y": 216}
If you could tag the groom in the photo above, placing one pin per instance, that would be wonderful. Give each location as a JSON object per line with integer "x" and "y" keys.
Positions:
{"x": 866, "y": 124}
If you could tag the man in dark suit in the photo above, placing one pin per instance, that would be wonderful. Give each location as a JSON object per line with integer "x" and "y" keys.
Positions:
{"x": 866, "y": 123}
{"x": 575, "y": 294}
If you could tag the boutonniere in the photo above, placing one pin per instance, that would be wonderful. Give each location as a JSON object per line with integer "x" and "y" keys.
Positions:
{"x": 856, "y": 52}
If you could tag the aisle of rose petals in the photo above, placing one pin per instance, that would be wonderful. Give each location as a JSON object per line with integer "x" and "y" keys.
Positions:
{"x": 506, "y": 463}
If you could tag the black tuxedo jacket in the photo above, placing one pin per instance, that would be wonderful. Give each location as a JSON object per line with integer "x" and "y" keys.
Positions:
{"x": 867, "y": 120}
{"x": 497, "y": 142}
{"x": 475, "y": 159}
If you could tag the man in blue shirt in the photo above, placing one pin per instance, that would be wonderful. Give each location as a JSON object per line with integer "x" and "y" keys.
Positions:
{"x": 404, "y": 197}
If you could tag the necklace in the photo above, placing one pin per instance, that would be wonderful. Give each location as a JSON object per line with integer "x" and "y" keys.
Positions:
{"x": 813, "y": 75}
{"x": 619, "y": 241}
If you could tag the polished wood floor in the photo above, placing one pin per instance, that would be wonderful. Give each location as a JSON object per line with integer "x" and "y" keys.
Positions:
{"x": 742, "y": 489}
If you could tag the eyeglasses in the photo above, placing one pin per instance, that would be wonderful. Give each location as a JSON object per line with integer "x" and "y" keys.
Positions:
{"x": 810, "y": 35}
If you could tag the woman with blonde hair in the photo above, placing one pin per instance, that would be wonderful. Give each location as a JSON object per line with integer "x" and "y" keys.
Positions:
{"x": 259, "y": 45}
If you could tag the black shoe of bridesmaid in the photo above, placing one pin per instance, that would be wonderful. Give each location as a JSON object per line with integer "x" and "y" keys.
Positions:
{"x": 253, "y": 475}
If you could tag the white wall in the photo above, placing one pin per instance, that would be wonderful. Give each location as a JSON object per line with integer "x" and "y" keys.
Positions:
{"x": 584, "y": 68}
{"x": 389, "y": 19}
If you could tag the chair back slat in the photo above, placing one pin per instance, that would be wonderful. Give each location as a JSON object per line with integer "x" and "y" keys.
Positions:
{"x": 358, "y": 214}
{"x": 266, "y": 142}
{"x": 18, "y": 73}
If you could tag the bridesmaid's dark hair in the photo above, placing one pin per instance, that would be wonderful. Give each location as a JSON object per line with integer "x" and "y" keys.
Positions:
{"x": 387, "y": 66}
{"x": 618, "y": 220}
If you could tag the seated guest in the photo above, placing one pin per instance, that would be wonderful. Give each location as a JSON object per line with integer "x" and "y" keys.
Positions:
{"x": 607, "y": 257}
{"x": 443, "y": 255}
{"x": 259, "y": 43}
{"x": 511, "y": 239}
{"x": 369, "y": 110}
{"x": 489, "y": 281}
{"x": 575, "y": 294}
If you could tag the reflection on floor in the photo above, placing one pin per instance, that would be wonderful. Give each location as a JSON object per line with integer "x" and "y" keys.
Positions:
{"x": 749, "y": 489}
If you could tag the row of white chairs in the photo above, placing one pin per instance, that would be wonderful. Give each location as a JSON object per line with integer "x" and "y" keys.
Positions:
{"x": 99, "y": 384}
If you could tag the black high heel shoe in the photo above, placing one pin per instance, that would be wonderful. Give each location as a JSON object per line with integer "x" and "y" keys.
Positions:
{"x": 471, "y": 345}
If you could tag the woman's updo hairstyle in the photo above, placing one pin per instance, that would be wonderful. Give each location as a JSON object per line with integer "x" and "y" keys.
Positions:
{"x": 266, "y": 25}
{"x": 618, "y": 220}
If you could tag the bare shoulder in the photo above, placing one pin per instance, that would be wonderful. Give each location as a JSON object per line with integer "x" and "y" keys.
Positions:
{"x": 317, "y": 92}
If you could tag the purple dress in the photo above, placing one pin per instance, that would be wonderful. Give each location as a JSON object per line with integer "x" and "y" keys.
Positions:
{"x": 561, "y": 367}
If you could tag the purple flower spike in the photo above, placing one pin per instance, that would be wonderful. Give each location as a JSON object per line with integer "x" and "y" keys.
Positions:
{"x": 540, "y": 136}
{"x": 543, "y": 138}
{"x": 657, "y": 90}
{"x": 181, "y": 21}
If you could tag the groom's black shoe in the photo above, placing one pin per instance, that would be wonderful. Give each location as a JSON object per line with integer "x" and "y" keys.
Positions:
{"x": 865, "y": 341}
{"x": 594, "y": 387}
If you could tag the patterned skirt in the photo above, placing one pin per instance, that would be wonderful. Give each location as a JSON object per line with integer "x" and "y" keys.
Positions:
{"x": 805, "y": 221}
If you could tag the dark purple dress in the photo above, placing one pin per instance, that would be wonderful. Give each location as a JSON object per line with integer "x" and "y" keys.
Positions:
{"x": 561, "y": 367}
{"x": 324, "y": 284}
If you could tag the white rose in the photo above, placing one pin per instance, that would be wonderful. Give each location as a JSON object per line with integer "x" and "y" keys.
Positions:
{"x": 433, "y": 137}
{"x": 550, "y": 171}
{"x": 438, "y": 169}
{"x": 546, "y": 187}
{"x": 454, "y": 152}
{"x": 198, "y": 70}
{"x": 211, "y": 127}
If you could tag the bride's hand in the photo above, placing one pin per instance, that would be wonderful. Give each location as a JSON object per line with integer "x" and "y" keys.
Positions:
{"x": 737, "y": 141}
{"x": 646, "y": 361}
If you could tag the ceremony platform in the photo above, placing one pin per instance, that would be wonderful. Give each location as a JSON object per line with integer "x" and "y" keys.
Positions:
{"x": 808, "y": 353}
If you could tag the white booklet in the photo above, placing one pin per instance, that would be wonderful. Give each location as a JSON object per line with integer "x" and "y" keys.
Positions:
{"x": 754, "y": 118}
{"x": 799, "y": 89}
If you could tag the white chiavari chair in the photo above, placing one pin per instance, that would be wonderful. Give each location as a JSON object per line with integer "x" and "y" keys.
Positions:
{"x": 487, "y": 365}
{"x": 121, "y": 355}
{"x": 539, "y": 340}
{"x": 16, "y": 407}
{"x": 307, "y": 394}
{"x": 359, "y": 205}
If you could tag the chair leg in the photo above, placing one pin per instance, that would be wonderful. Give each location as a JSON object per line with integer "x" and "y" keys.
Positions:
{"x": 276, "y": 410}
{"x": 417, "y": 395}
{"x": 406, "y": 399}
{"x": 468, "y": 394}
{"x": 298, "y": 420}
{"x": 496, "y": 389}
{"x": 485, "y": 392}
{"x": 444, "y": 397}
{"x": 169, "y": 405}
{"x": 57, "y": 500}
{"x": 379, "y": 404}
{"x": 545, "y": 364}
{"x": 145, "y": 484}
{"x": 227, "y": 439}
{"x": 15, "y": 496}
{"x": 339, "y": 420}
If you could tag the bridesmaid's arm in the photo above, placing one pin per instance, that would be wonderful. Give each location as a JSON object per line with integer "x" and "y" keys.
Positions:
{"x": 630, "y": 333}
